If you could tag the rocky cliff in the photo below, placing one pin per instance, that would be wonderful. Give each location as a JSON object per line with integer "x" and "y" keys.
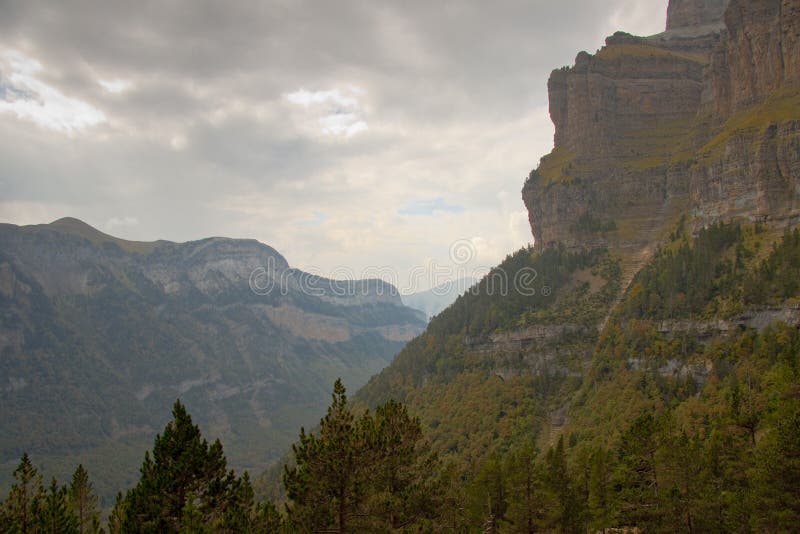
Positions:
{"x": 690, "y": 14}
{"x": 701, "y": 119}
{"x": 99, "y": 336}
{"x": 643, "y": 315}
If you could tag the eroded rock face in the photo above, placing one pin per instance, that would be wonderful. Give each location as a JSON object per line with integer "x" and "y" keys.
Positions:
{"x": 750, "y": 168}
{"x": 760, "y": 53}
{"x": 700, "y": 119}
{"x": 618, "y": 115}
{"x": 627, "y": 86}
{"x": 692, "y": 13}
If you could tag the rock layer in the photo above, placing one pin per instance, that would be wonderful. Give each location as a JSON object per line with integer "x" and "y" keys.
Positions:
{"x": 701, "y": 119}
{"x": 693, "y": 13}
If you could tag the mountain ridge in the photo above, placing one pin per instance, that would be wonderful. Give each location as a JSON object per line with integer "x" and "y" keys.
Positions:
{"x": 108, "y": 333}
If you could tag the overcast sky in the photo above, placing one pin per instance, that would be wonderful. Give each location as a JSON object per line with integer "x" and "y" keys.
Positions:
{"x": 346, "y": 134}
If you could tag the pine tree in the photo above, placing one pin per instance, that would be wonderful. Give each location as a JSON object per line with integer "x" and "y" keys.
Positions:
{"x": 182, "y": 464}
{"x": 403, "y": 486}
{"x": 267, "y": 518}
{"x": 83, "y": 502}
{"x": 20, "y": 510}
{"x": 192, "y": 520}
{"x": 776, "y": 476}
{"x": 55, "y": 515}
{"x": 525, "y": 490}
{"x": 118, "y": 515}
{"x": 637, "y": 475}
{"x": 325, "y": 484}
{"x": 488, "y": 494}
{"x": 567, "y": 513}
{"x": 371, "y": 474}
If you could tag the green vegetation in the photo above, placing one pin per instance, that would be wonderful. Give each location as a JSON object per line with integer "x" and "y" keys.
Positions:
{"x": 97, "y": 351}
{"x": 555, "y": 167}
{"x": 185, "y": 487}
{"x": 587, "y": 224}
{"x": 665, "y": 430}
{"x": 617, "y": 51}
{"x": 717, "y": 274}
{"x": 782, "y": 105}
{"x": 374, "y": 473}
{"x": 649, "y": 148}
{"x": 661, "y": 429}
{"x": 29, "y": 508}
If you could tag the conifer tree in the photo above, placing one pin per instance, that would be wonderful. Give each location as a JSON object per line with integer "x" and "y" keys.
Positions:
{"x": 118, "y": 515}
{"x": 325, "y": 484}
{"x": 371, "y": 474}
{"x": 83, "y": 502}
{"x": 403, "y": 483}
{"x": 182, "y": 464}
{"x": 525, "y": 490}
{"x": 637, "y": 475}
{"x": 566, "y": 512}
{"x": 21, "y": 509}
{"x": 55, "y": 516}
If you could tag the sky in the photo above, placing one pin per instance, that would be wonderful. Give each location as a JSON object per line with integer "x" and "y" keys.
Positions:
{"x": 359, "y": 138}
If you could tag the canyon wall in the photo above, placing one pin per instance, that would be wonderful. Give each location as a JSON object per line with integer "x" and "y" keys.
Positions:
{"x": 701, "y": 119}
{"x": 693, "y": 13}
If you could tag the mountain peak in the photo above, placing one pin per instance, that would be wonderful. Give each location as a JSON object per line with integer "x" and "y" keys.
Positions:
{"x": 74, "y": 226}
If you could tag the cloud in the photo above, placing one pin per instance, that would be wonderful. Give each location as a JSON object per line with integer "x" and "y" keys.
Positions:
{"x": 115, "y": 86}
{"x": 409, "y": 127}
{"x": 27, "y": 97}
{"x": 434, "y": 207}
{"x": 336, "y": 112}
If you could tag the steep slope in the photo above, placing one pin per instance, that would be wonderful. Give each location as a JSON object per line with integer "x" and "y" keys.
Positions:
{"x": 651, "y": 127}
{"x": 100, "y": 335}
{"x": 664, "y": 283}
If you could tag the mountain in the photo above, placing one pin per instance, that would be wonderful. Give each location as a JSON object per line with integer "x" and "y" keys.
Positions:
{"x": 432, "y": 301}
{"x": 651, "y": 365}
{"x": 100, "y": 335}
{"x": 693, "y": 120}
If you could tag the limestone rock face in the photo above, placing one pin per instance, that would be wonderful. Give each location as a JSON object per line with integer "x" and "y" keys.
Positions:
{"x": 759, "y": 54}
{"x": 618, "y": 115}
{"x": 751, "y": 166}
{"x": 624, "y": 87}
{"x": 692, "y": 13}
{"x": 701, "y": 120}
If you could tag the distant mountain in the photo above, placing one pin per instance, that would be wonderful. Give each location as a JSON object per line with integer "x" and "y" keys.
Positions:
{"x": 432, "y": 301}
{"x": 99, "y": 336}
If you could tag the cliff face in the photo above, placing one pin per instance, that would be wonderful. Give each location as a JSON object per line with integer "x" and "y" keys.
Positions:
{"x": 760, "y": 54}
{"x": 99, "y": 336}
{"x": 701, "y": 119}
{"x": 683, "y": 14}
{"x": 749, "y": 166}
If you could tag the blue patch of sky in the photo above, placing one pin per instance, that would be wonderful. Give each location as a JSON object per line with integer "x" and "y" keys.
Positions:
{"x": 9, "y": 93}
{"x": 433, "y": 206}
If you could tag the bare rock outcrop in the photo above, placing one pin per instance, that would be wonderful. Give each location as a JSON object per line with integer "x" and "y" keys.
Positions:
{"x": 683, "y": 14}
{"x": 760, "y": 54}
{"x": 702, "y": 119}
